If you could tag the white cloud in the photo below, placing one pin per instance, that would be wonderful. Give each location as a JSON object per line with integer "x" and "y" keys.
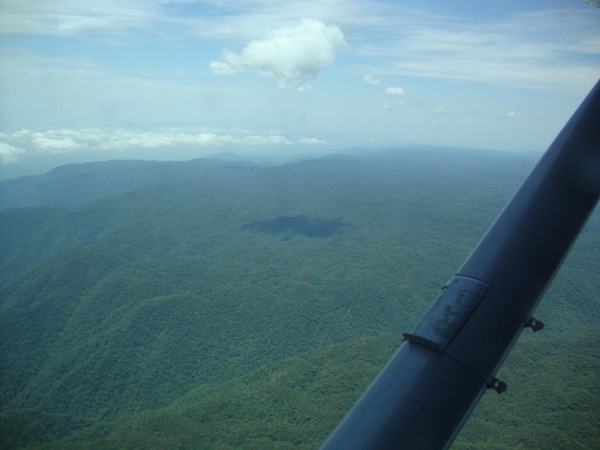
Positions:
{"x": 394, "y": 91}
{"x": 390, "y": 105}
{"x": 512, "y": 114}
{"x": 439, "y": 109}
{"x": 95, "y": 140}
{"x": 311, "y": 141}
{"x": 370, "y": 79}
{"x": 292, "y": 55}
{"x": 29, "y": 151}
{"x": 54, "y": 144}
{"x": 9, "y": 154}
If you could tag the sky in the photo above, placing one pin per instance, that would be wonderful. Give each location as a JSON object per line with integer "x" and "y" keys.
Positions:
{"x": 85, "y": 80}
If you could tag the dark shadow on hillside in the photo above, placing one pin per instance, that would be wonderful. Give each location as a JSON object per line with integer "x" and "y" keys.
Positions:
{"x": 306, "y": 226}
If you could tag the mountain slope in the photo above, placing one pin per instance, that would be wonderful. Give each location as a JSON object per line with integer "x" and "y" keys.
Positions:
{"x": 32, "y": 234}
{"x": 169, "y": 288}
{"x": 295, "y": 403}
{"x": 78, "y": 184}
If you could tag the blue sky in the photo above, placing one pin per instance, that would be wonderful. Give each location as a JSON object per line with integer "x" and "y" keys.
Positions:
{"x": 176, "y": 79}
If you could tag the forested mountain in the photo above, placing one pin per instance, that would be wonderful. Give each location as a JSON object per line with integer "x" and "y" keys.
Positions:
{"x": 215, "y": 304}
{"x": 78, "y": 184}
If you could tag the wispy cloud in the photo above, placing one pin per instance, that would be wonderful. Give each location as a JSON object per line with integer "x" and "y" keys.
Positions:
{"x": 552, "y": 49}
{"x": 78, "y": 17}
{"x": 390, "y": 105}
{"x": 370, "y": 79}
{"x": 222, "y": 68}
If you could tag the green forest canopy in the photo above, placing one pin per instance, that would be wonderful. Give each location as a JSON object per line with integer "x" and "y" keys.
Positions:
{"x": 240, "y": 306}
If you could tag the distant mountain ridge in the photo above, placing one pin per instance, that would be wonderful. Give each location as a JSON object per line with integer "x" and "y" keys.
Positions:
{"x": 78, "y": 184}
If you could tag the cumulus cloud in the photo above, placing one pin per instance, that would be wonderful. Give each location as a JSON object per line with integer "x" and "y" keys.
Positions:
{"x": 292, "y": 55}
{"x": 439, "y": 109}
{"x": 370, "y": 79}
{"x": 392, "y": 90}
{"x": 9, "y": 154}
{"x": 512, "y": 114}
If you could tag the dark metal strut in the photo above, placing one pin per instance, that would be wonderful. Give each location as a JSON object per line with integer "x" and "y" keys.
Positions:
{"x": 426, "y": 392}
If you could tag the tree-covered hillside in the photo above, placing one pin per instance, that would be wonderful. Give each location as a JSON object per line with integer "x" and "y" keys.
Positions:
{"x": 238, "y": 306}
{"x": 78, "y": 184}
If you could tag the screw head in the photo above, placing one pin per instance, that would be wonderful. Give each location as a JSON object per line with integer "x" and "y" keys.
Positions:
{"x": 499, "y": 386}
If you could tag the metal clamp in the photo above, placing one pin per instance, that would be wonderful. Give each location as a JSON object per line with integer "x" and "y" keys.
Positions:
{"x": 448, "y": 314}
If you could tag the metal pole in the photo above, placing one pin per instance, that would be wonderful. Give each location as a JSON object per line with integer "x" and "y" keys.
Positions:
{"x": 426, "y": 392}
